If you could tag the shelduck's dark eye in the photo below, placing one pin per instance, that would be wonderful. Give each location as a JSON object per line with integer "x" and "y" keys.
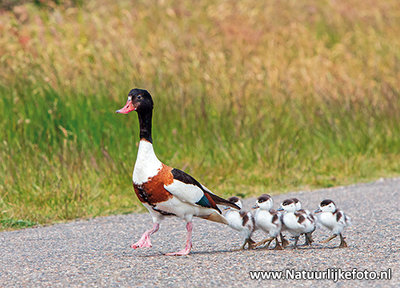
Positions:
{"x": 138, "y": 97}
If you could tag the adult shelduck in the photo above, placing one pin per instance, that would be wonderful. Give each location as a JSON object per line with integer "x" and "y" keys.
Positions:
{"x": 163, "y": 190}
{"x": 333, "y": 219}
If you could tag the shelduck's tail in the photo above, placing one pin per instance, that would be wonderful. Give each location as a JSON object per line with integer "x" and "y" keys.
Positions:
{"x": 215, "y": 217}
{"x": 219, "y": 200}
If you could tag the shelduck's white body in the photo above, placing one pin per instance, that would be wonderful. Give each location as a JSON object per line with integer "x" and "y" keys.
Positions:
{"x": 147, "y": 164}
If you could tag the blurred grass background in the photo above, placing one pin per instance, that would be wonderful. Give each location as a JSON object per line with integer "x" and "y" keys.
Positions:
{"x": 250, "y": 98}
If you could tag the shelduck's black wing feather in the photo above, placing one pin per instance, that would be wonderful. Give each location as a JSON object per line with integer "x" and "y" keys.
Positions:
{"x": 190, "y": 190}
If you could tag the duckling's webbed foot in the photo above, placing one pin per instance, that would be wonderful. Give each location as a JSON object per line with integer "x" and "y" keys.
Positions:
{"x": 277, "y": 245}
{"x": 284, "y": 241}
{"x": 329, "y": 239}
{"x": 251, "y": 243}
{"x": 262, "y": 242}
{"x": 296, "y": 239}
{"x": 343, "y": 243}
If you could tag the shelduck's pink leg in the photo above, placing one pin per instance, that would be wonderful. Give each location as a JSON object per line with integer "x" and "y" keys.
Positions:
{"x": 186, "y": 251}
{"x": 145, "y": 239}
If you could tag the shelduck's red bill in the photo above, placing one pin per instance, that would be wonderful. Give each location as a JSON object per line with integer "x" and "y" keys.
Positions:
{"x": 127, "y": 108}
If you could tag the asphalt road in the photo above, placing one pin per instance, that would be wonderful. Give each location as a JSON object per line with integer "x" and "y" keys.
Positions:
{"x": 97, "y": 253}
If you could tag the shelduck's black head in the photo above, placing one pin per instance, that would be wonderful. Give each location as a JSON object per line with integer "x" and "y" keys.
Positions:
{"x": 139, "y": 100}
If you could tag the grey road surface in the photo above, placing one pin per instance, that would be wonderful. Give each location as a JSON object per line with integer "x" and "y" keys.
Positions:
{"x": 97, "y": 253}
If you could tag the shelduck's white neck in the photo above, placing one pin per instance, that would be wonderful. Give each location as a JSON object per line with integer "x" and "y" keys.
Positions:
{"x": 147, "y": 164}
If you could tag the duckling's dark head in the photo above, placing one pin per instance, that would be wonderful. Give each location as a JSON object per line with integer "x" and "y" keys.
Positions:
{"x": 139, "y": 100}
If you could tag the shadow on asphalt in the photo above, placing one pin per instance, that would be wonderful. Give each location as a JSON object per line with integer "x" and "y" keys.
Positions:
{"x": 291, "y": 249}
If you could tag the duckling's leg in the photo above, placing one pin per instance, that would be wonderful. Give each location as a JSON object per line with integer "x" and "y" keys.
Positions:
{"x": 277, "y": 245}
{"x": 309, "y": 239}
{"x": 296, "y": 238}
{"x": 246, "y": 241}
{"x": 251, "y": 243}
{"x": 262, "y": 242}
{"x": 186, "y": 251}
{"x": 284, "y": 241}
{"x": 343, "y": 243}
{"x": 268, "y": 243}
{"x": 329, "y": 239}
{"x": 144, "y": 241}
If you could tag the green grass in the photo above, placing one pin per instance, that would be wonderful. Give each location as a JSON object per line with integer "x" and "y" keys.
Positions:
{"x": 249, "y": 98}
{"x": 14, "y": 224}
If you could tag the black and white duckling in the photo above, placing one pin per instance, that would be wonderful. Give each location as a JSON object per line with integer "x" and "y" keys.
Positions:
{"x": 329, "y": 216}
{"x": 310, "y": 215}
{"x": 267, "y": 220}
{"x": 240, "y": 220}
{"x": 296, "y": 223}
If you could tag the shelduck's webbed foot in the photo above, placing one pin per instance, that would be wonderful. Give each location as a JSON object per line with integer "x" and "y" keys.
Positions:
{"x": 186, "y": 251}
{"x": 182, "y": 252}
{"x": 144, "y": 241}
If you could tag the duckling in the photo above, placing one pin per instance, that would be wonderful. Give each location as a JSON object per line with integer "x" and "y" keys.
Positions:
{"x": 241, "y": 221}
{"x": 333, "y": 219}
{"x": 267, "y": 220}
{"x": 312, "y": 227}
{"x": 296, "y": 223}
